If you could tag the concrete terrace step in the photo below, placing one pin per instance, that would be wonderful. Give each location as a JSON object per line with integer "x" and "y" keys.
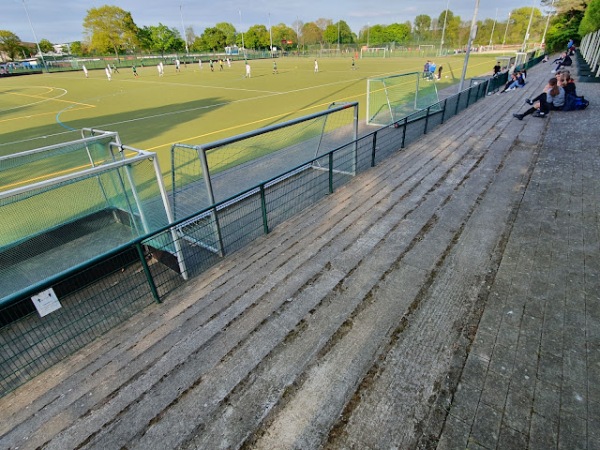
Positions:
{"x": 332, "y": 330}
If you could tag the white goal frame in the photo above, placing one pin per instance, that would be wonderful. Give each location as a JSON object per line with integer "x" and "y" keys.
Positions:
{"x": 374, "y": 52}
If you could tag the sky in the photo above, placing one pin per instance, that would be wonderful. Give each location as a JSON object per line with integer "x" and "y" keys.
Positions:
{"x": 61, "y": 22}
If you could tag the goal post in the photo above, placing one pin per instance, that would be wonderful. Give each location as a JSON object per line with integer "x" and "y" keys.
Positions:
{"x": 218, "y": 173}
{"x": 391, "y": 98}
{"x": 374, "y": 52}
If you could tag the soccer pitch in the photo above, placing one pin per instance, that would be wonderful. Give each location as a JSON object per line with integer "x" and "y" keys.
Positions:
{"x": 196, "y": 105}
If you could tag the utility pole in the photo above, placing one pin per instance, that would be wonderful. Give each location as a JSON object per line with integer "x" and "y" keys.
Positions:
{"x": 493, "y": 28}
{"x": 547, "y": 23}
{"x": 37, "y": 44}
{"x": 187, "y": 49}
{"x": 524, "y": 48}
{"x": 444, "y": 29}
{"x": 506, "y": 30}
{"x": 472, "y": 35}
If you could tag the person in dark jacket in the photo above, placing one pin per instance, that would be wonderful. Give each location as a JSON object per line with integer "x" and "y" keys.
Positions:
{"x": 564, "y": 61}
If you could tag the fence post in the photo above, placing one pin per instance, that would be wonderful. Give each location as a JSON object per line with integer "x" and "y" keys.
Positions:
{"x": 373, "y": 149}
{"x": 444, "y": 110}
{"x": 263, "y": 207}
{"x": 404, "y": 125}
{"x": 469, "y": 96}
{"x": 426, "y": 120}
{"x": 457, "y": 104}
{"x": 147, "y": 272}
{"x": 331, "y": 172}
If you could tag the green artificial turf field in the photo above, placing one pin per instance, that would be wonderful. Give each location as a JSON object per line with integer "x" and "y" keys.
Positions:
{"x": 194, "y": 106}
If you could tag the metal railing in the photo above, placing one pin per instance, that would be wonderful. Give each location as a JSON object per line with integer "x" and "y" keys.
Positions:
{"x": 108, "y": 289}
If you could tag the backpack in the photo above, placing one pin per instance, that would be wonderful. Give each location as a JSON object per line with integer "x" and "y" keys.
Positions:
{"x": 574, "y": 103}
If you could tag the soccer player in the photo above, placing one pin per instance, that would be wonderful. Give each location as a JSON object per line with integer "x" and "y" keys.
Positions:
{"x": 220, "y": 64}
{"x": 275, "y": 67}
{"x": 108, "y": 74}
{"x": 316, "y": 66}
{"x": 135, "y": 74}
{"x": 177, "y": 66}
{"x": 85, "y": 71}
{"x": 248, "y": 70}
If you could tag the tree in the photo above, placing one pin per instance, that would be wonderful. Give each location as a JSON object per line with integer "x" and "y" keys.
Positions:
{"x": 311, "y": 34}
{"x": 10, "y": 43}
{"x": 109, "y": 28}
{"x": 190, "y": 36}
{"x": 213, "y": 39}
{"x": 422, "y": 24}
{"x": 591, "y": 18}
{"x": 257, "y": 37}
{"x": 282, "y": 33}
{"x": 229, "y": 32}
{"x": 323, "y": 23}
{"x": 77, "y": 48}
{"x": 164, "y": 39}
{"x": 338, "y": 32}
{"x": 398, "y": 32}
{"x": 46, "y": 46}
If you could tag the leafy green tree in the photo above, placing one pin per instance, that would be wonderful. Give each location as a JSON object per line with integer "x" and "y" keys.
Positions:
{"x": 422, "y": 25}
{"x": 164, "y": 39}
{"x": 282, "y": 33}
{"x": 46, "y": 46}
{"x": 213, "y": 39}
{"x": 10, "y": 43}
{"x": 257, "y": 37}
{"x": 519, "y": 22}
{"x": 398, "y": 32}
{"x": 109, "y": 28}
{"x": 377, "y": 36}
{"x": 591, "y": 18}
{"x": 77, "y": 48}
{"x": 229, "y": 32}
{"x": 338, "y": 32}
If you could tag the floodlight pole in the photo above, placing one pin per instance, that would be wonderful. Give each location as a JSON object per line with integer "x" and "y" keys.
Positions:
{"x": 187, "y": 50}
{"x": 270, "y": 35}
{"x": 506, "y": 30}
{"x": 37, "y": 44}
{"x": 471, "y": 37}
{"x": 547, "y": 23}
{"x": 243, "y": 47}
{"x": 444, "y": 29}
{"x": 493, "y": 28}
{"x": 524, "y": 48}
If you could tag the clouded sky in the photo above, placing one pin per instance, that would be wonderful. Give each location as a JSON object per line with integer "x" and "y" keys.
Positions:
{"x": 61, "y": 21}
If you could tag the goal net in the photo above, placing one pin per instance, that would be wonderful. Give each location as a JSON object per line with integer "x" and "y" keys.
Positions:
{"x": 64, "y": 204}
{"x": 203, "y": 175}
{"x": 391, "y": 98}
{"x": 427, "y": 50}
{"x": 374, "y": 52}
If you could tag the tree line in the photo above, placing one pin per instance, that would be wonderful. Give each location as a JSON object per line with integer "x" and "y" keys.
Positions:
{"x": 110, "y": 29}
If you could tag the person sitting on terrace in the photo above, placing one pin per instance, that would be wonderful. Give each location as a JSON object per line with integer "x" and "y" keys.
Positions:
{"x": 517, "y": 80}
{"x": 552, "y": 99}
{"x": 564, "y": 61}
{"x": 566, "y": 82}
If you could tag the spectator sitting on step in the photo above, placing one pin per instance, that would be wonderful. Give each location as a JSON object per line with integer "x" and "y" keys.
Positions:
{"x": 564, "y": 61}
{"x": 552, "y": 99}
{"x": 566, "y": 82}
{"x": 517, "y": 80}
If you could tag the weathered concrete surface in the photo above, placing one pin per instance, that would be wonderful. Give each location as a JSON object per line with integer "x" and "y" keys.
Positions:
{"x": 447, "y": 298}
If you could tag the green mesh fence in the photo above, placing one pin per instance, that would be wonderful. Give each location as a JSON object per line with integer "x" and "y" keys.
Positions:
{"x": 391, "y": 98}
